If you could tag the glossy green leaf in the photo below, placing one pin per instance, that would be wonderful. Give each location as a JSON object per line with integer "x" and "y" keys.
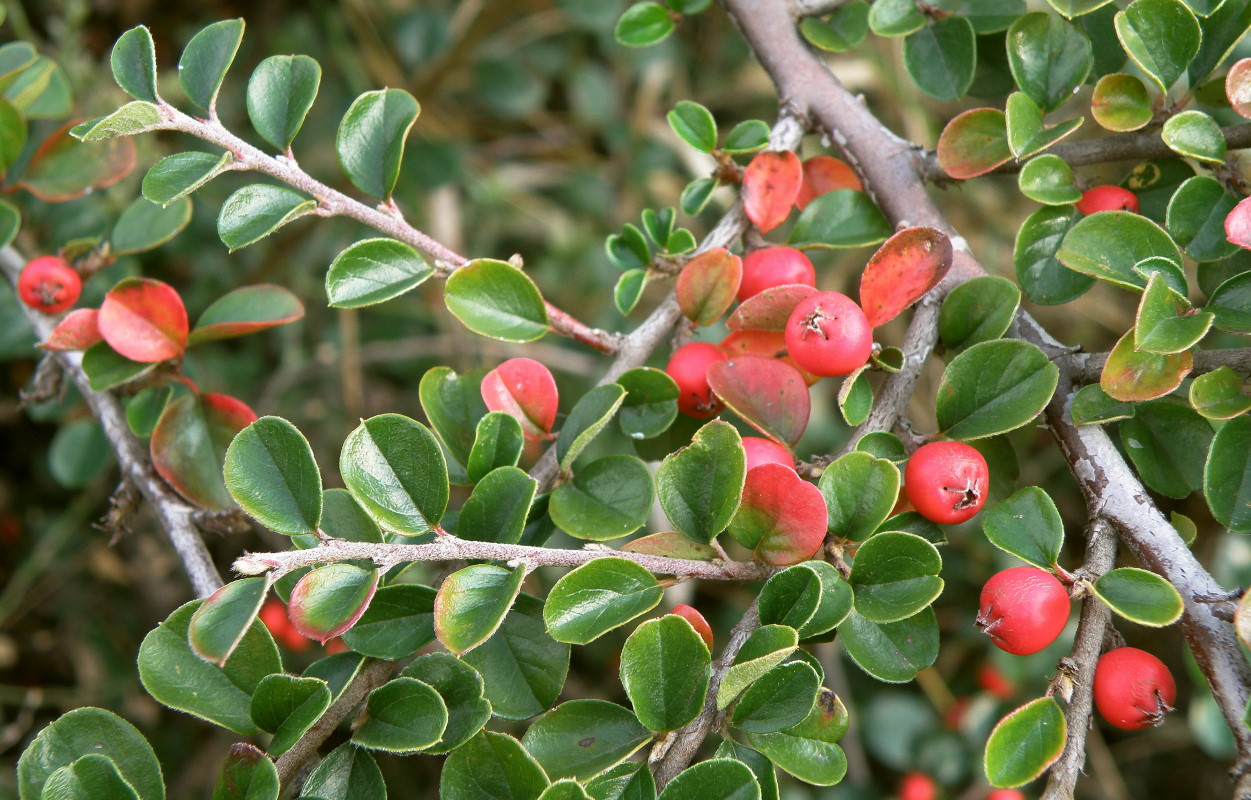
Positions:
{"x": 1048, "y": 179}
{"x": 694, "y": 125}
{"x": 607, "y": 499}
{"x": 134, "y": 64}
{"x": 843, "y": 30}
{"x": 453, "y": 404}
{"x": 347, "y": 772}
{"x": 218, "y": 625}
{"x": 404, "y": 715}
{"x": 1026, "y": 525}
{"x": 497, "y": 509}
{"x": 1194, "y": 134}
{"x": 808, "y": 750}
{"x": 697, "y": 193}
{"x": 1227, "y": 475}
{"x": 700, "y": 486}
{"x": 894, "y": 576}
{"x": 716, "y": 779}
{"x": 1049, "y": 57}
{"x": 748, "y": 136}
{"x": 629, "y": 289}
{"x": 144, "y": 409}
{"x": 895, "y": 18}
{"x": 1075, "y": 8}
{"x": 1231, "y": 303}
{"x": 106, "y": 368}
{"x": 174, "y": 177}
{"x": 271, "y": 473}
{"x": 330, "y": 599}
{"x": 994, "y": 387}
{"x": 651, "y": 402}
{"x": 461, "y": 687}
{"x": 1024, "y": 743}
{"x": 1121, "y": 103}
{"x": 779, "y": 699}
{"x": 287, "y": 707}
{"x": 582, "y": 738}
{"x": 978, "y": 310}
{"x": 895, "y": 651}
{"x": 137, "y": 116}
{"x": 1161, "y": 36}
{"x": 398, "y": 623}
{"x": 145, "y": 225}
{"x": 495, "y": 299}
{"x": 860, "y": 490}
{"x": 631, "y": 780}
{"x": 842, "y": 218}
{"x": 246, "y": 774}
{"x": 491, "y": 765}
{"x": 471, "y": 604}
{"x": 1132, "y": 375}
{"x": 280, "y": 93}
{"x": 665, "y": 670}
{"x": 792, "y": 596}
{"x": 1027, "y": 133}
{"x": 643, "y": 24}
{"x": 91, "y": 777}
{"x": 1196, "y": 218}
{"x": 497, "y": 443}
{"x": 205, "y": 60}
{"x": 522, "y": 666}
{"x": 1140, "y": 596}
{"x": 256, "y": 211}
{"x": 628, "y": 249}
{"x": 565, "y": 789}
{"x": 1218, "y": 395}
{"x": 765, "y": 648}
{"x": 1222, "y": 30}
{"x": 373, "y": 271}
{"x": 835, "y": 603}
{"x": 394, "y": 468}
{"x": 941, "y": 58}
{"x": 371, "y": 138}
{"x": 89, "y": 731}
{"x": 598, "y": 596}
{"x": 245, "y": 310}
{"x": 1042, "y": 277}
{"x": 973, "y": 143}
{"x": 592, "y": 413}
{"x": 1165, "y": 323}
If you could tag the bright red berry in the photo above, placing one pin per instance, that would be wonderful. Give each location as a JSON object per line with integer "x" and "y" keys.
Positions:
{"x": 774, "y": 266}
{"x": 689, "y": 369}
{"x": 50, "y": 285}
{"x": 946, "y": 482}
{"x": 827, "y": 334}
{"x": 274, "y": 615}
{"x": 765, "y": 451}
{"x": 1133, "y": 689}
{"x": 1023, "y": 609}
{"x": 1107, "y": 198}
{"x": 697, "y": 621}
{"x": 992, "y": 681}
{"x": 1005, "y": 794}
{"x": 917, "y": 786}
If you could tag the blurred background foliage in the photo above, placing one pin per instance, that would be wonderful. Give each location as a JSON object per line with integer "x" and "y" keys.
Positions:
{"x": 539, "y": 136}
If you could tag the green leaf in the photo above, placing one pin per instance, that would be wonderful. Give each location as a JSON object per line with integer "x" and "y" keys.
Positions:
{"x": 1193, "y": 134}
{"x": 1230, "y": 302}
{"x": 220, "y": 622}
{"x": 941, "y": 58}
{"x": 523, "y": 668}
{"x": 371, "y": 137}
{"x": 808, "y": 750}
{"x": 842, "y": 218}
{"x": 694, "y": 125}
{"x": 659, "y": 223}
{"x": 1027, "y": 134}
{"x": 1161, "y": 36}
{"x": 1076, "y": 8}
{"x": 994, "y": 387}
{"x": 894, "y": 18}
{"x": 973, "y": 143}
{"x": 978, "y": 310}
{"x": 715, "y": 779}
{"x": 144, "y": 409}
{"x": 245, "y": 310}
{"x": 246, "y": 774}
{"x": 145, "y": 225}
{"x": 90, "y": 731}
{"x": 106, "y": 368}
{"x": 330, "y": 599}
{"x": 491, "y": 765}
{"x": 287, "y": 707}
{"x": 398, "y": 623}
{"x": 404, "y": 716}
{"x": 893, "y": 652}
{"x": 748, "y": 136}
{"x": 461, "y": 687}
{"x": 256, "y": 211}
{"x": 1218, "y": 395}
{"x": 453, "y": 404}
{"x": 1196, "y": 218}
{"x": 700, "y": 485}
{"x": 582, "y": 738}
{"x": 205, "y": 60}
{"x": 791, "y": 597}
{"x": 1227, "y": 475}
{"x": 1221, "y": 32}
{"x": 628, "y": 249}
{"x": 1167, "y": 443}
{"x": 1042, "y": 277}
{"x": 176, "y": 677}
{"x": 1165, "y": 322}
{"x": 651, "y": 402}
{"x": 628, "y": 781}
{"x": 92, "y": 777}
{"x": 598, "y": 596}
{"x": 592, "y": 413}
{"x": 665, "y": 669}
{"x": 845, "y": 28}
{"x": 280, "y": 93}
{"x": 1049, "y": 57}
{"x": 346, "y": 773}
{"x": 1024, "y": 743}
{"x": 607, "y": 499}
{"x": 10, "y": 223}
{"x": 643, "y": 24}
{"x": 1048, "y": 179}
{"x": 134, "y": 64}
{"x": 765, "y": 648}
{"x": 1028, "y": 526}
{"x": 471, "y": 604}
{"x": 394, "y": 468}
{"x": 497, "y": 509}
{"x": 697, "y": 193}
{"x": 497, "y": 443}
{"x": 137, "y": 116}
{"x": 174, "y": 177}
{"x": 495, "y": 299}
{"x": 836, "y": 600}
{"x": 565, "y": 789}
{"x": 629, "y": 289}
{"x": 860, "y": 490}
{"x": 780, "y": 699}
{"x": 1130, "y": 374}
{"x": 894, "y": 576}
{"x": 1140, "y": 596}
{"x": 1121, "y": 103}
{"x": 271, "y": 473}
{"x": 372, "y": 271}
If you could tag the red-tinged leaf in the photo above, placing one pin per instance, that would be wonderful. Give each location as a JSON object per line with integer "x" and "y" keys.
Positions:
{"x": 769, "y": 310}
{"x": 770, "y": 185}
{"x": 245, "y": 310}
{"x": 708, "y": 285}
{"x": 781, "y": 518}
{"x": 903, "y": 269}
{"x": 189, "y": 445}
{"x": 825, "y": 174}
{"x": 670, "y": 544}
{"x": 766, "y": 344}
{"x": 144, "y": 320}
{"x": 1238, "y": 224}
{"x": 329, "y": 600}
{"x": 78, "y": 331}
{"x": 974, "y": 143}
{"x": 524, "y": 389}
{"x": 1238, "y": 87}
{"x": 64, "y": 168}
{"x": 1131, "y": 375}
{"x": 770, "y": 395}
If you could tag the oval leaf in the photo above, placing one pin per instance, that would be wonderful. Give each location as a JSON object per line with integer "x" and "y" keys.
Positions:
{"x": 395, "y": 469}
{"x": 771, "y": 183}
{"x": 699, "y": 486}
{"x": 598, "y": 596}
{"x": 1028, "y": 526}
{"x": 404, "y": 716}
{"x": 781, "y": 518}
{"x": 372, "y": 271}
{"x": 371, "y": 138}
{"x": 220, "y": 622}
{"x": 994, "y": 387}
{"x": 471, "y": 604}
{"x": 144, "y": 320}
{"x": 495, "y": 299}
{"x": 280, "y": 93}
{"x": 894, "y": 576}
{"x": 1140, "y": 596}
{"x": 582, "y": 738}
{"x": 665, "y": 670}
{"x": 770, "y": 395}
{"x": 1024, "y": 743}
{"x": 902, "y": 270}
{"x": 329, "y": 600}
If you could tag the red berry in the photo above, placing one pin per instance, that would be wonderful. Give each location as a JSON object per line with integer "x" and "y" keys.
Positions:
{"x": 697, "y": 621}
{"x": 1005, "y": 794}
{"x": 946, "y": 482}
{"x": 765, "y": 451}
{"x": 50, "y": 285}
{"x": 1133, "y": 689}
{"x": 1023, "y": 609}
{"x": 774, "y": 266}
{"x": 274, "y": 616}
{"x": 827, "y": 334}
{"x": 1107, "y": 198}
{"x": 917, "y": 786}
{"x": 689, "y": 369}
{"x": 993, "y": 682}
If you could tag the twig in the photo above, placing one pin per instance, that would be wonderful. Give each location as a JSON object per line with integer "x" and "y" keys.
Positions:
{"x": 816, "y": 8}
{"x": 1087, "y": 367}
{"x": 175, "y": 514}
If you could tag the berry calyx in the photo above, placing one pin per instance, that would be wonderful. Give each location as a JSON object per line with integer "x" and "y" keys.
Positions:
{"x": 689, "y": 369}
{"x": 1107, "y": 198}
{"x": 917, "y": 786}
{"x": 1023, "y": 609}
{"x": 697, "y": 621}
{"x": 828, "y": 335}
{"x": 947, "y": 482}
{"x": 774, "y": 266}
{"x": 766, "y": 451}
{"x": 1133, "y": 689}
{"x": 48, "y": 284}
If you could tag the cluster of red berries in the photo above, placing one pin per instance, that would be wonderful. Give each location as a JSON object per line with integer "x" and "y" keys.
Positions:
{"x": 50, "y": 285}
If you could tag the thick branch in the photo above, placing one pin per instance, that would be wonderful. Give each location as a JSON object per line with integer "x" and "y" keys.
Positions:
{"x": 176, "y": 515}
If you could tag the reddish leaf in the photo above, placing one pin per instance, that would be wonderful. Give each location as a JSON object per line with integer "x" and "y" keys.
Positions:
{"x": 78, "y": 331}
{"x": 1131, "y": 375}
{"x": 144, "y": 320}
{"x": 708, "y": 285}
{"x": 329, "y": 600}
{"x": 769, "y": 310}
{"x": 903, "y": 269}
{"x": 781, "y": 518}
{"x": 64, "y": 168}
{"x": 189, "y": 445}
{"x": 1238, "y": 224}
{"x": 245, "y": 310}
{"x": 766, "y": 344}
{"x": 524, "y": 389}
{"x": 1238, "y": 87}
{"x": 974, "y": 143}
{"x": 670, "y": 544}
{"x": 770, "y": 395}
{"x": 825, "y": 174}
{"x": 770, "y": 185}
